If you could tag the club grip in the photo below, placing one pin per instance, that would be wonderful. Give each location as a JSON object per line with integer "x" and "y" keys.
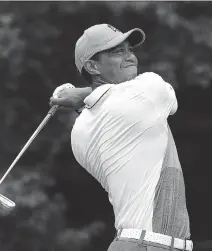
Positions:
{"x": 53, "y": 110}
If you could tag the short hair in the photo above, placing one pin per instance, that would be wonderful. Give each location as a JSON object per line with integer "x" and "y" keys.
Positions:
{"x": 85, "y": 74}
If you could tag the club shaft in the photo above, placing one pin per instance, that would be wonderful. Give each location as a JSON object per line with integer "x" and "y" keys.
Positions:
{"x": 40, "y": 127}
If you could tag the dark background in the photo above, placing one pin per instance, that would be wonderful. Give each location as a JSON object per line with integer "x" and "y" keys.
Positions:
{"x": 59, "y": 206}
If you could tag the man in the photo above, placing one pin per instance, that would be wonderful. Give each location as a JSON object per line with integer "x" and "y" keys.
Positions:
{"x": 122, "y": 138}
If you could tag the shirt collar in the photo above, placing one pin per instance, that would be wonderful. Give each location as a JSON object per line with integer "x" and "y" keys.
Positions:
{"x": 96, "y": 95}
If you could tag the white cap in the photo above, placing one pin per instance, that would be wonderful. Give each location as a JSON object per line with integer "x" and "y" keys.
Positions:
{"x": 103, "y": 37}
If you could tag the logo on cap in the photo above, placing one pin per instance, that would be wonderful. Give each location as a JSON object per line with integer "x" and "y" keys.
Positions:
{"x": 112, "y": 28}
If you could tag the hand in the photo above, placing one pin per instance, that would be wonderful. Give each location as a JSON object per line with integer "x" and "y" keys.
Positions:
{"x": 62, "y": 96}
{"x": 68, "y": 96}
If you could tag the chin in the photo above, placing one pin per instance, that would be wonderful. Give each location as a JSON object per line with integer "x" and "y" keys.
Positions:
{"x": 131, "y": 76}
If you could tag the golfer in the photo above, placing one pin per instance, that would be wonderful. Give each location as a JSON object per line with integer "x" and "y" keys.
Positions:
{"x": 122, "y": 138}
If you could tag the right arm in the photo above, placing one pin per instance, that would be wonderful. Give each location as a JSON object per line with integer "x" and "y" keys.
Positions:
{"x": 69, "y": 100}
{"x": 71, "y": 97}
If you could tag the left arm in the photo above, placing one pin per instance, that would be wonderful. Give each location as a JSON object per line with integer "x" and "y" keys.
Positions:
{"x": 158, "y": 92}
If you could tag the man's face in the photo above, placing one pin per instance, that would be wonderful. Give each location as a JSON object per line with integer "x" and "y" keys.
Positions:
{"x": 118, "y": 64}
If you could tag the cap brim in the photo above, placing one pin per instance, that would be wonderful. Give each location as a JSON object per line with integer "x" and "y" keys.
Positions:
{"x": 135, "y": 36}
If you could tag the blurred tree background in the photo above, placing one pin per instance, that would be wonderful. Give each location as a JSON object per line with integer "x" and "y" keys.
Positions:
{"x": 60, "y": 207}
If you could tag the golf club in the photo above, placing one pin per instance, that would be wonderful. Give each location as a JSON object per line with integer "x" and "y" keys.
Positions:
{"x": 5, "y": 203}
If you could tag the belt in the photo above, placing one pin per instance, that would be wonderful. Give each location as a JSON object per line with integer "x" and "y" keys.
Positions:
{"x": 156, "y": 238}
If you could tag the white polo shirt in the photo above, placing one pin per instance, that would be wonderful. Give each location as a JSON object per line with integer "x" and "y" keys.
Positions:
{"x": 121, "y": 140}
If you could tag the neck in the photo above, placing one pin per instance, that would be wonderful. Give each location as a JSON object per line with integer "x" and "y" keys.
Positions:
{"x": 100, "y": 81}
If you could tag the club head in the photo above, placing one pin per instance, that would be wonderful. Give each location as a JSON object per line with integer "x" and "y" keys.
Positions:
{"x": 6, "y": 205}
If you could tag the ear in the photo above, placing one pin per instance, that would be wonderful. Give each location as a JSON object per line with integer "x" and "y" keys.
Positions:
{"x": 91, "y": 67}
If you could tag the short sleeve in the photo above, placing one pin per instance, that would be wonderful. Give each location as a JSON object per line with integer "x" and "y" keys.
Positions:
{"x": 160, "y": 93}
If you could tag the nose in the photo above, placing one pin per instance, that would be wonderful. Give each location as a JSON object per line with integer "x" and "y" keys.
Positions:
{"x": 130, "y": 57}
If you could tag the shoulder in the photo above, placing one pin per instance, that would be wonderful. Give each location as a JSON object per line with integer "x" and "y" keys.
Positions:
{"x": 143, "y": 82}
{"x": 151, "y": 82}
{"x": 149, "y": 78}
